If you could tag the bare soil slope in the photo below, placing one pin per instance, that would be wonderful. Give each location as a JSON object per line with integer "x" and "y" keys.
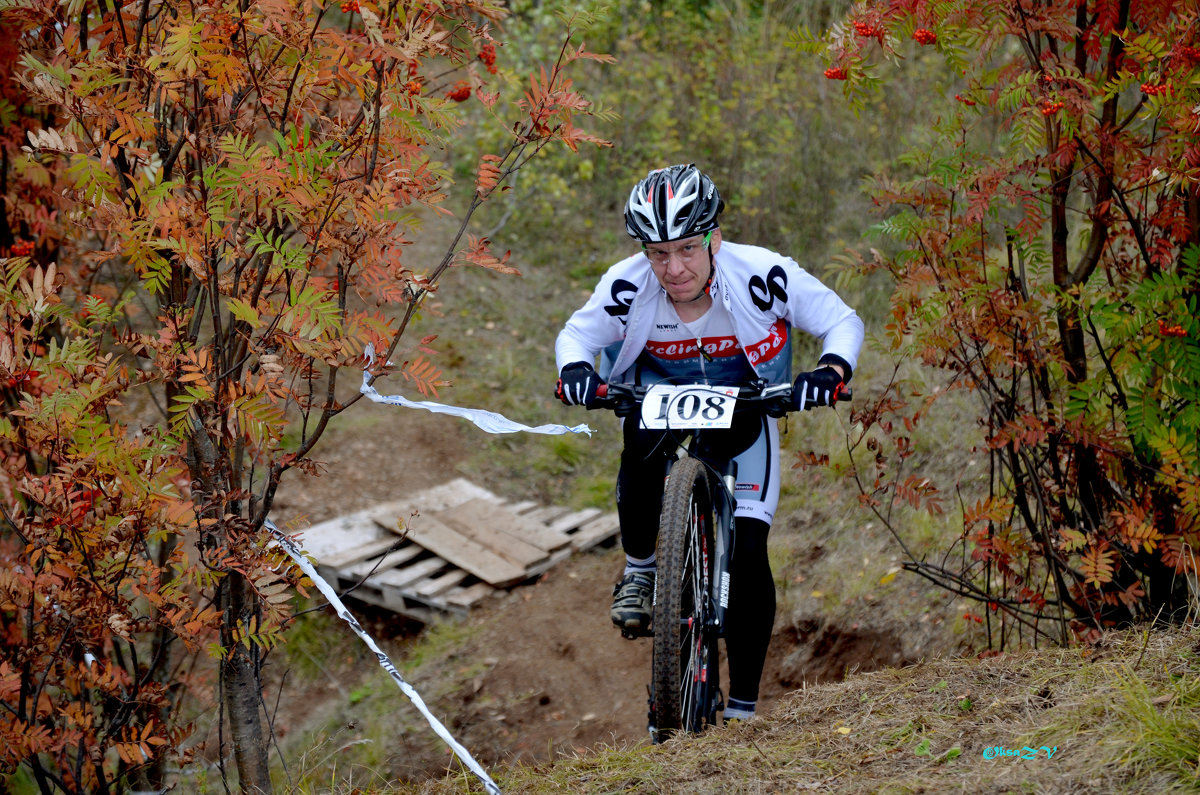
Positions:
{"x": 540, "y": 671}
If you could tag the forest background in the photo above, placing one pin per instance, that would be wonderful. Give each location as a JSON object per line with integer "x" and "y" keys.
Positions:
{"x": 210, "y": 209}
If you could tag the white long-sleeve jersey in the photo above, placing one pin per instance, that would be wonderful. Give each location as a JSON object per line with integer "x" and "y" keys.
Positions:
{"x": 766, "y": 295}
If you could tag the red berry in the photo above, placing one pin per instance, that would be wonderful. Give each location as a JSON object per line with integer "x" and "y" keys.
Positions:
{"x": 487, "y": 54}
{"x": 835, "y": 73}
{"x": 1168, "y": 330}
{"x": 461, "y": 91}
{"x": 924, "y": 36}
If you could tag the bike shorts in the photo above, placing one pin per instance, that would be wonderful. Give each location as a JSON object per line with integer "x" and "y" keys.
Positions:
{"x": 752, "y": 441}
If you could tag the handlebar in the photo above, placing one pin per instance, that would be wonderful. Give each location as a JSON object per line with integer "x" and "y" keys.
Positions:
{"x": 777, "y": 399}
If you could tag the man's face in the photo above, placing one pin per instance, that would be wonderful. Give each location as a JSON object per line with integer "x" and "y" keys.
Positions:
{"x": 682, "y": 266}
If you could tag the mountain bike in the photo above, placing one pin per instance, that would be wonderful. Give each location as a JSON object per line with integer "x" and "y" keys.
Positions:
{"x": 695, "y": 539}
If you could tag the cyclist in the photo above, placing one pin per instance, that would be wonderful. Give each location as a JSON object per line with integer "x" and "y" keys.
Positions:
{"x": 691, "y": 307}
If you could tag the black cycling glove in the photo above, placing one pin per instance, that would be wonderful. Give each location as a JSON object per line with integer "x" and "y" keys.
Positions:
{"x": 577, "y": 384}
{"x": 818, "y": 388}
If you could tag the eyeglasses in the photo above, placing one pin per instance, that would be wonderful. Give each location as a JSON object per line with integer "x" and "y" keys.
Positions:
{"x": 687, "y": 252}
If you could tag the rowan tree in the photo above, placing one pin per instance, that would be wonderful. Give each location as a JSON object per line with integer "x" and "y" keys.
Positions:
{"x": 205, "y": 213}
{"x": 1048, "y": 238}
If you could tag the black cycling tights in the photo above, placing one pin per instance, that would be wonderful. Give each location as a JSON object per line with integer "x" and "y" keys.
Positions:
{"x": 751, "y": 612}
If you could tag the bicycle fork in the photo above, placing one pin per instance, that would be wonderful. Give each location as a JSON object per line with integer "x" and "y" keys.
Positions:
{"x": 723, "y": 509}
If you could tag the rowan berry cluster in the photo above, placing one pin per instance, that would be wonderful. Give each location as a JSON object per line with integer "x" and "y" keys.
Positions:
{"x": 461, "y": 91}
{"x": 835, "y": 73}
{"x": 350, "y": 6}
{"x": 925, "y": 36}
{"x": 1050, "y": 108}
{"x": 21, "y": 248}
{"x": 868, "y": 30}
{"x": 963, "y": 99}
{"x": 487, "y": 54}
{"x": 1152, "y": 89}
{"x": 1190, "y": 53}
{"x": 1169, "y": 330}
{"x": 226, "y": 25}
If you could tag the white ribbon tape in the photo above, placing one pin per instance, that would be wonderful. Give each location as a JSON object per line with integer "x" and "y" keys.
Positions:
{"x": 298, "y": 556}
{"x": 489, "y": 421}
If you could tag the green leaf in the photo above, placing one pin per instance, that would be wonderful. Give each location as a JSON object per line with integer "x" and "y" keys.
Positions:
{"x": 244, "y": 312}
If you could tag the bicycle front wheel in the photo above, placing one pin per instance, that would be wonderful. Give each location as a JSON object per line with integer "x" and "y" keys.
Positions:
{"x": 686, "y": 676}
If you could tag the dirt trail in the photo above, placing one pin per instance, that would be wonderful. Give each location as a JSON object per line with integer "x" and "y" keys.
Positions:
{"x": 550, "y": 674}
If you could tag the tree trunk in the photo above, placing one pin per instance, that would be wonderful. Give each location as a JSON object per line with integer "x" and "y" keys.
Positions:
{"x": 239, "y": 675}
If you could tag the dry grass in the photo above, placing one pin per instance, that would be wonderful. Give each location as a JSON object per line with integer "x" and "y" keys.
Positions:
{"x": 1123, "y": 717}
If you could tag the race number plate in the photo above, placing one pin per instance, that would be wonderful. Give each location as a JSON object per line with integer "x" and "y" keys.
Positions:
{"x": 693, "y": 406}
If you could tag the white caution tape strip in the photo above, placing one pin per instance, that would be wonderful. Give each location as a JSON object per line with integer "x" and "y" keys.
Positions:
{"x": 489, "y": 421}
{"x": 384, "y": 661}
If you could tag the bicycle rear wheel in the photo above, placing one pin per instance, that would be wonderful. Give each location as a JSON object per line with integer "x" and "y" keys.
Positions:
{"x": 686, "y": 677}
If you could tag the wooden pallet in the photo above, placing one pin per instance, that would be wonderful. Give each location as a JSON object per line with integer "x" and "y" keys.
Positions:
{"x": 448, "y": 548}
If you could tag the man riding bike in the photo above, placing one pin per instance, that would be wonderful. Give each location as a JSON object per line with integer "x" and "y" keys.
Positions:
{"x": 693, "y": 308}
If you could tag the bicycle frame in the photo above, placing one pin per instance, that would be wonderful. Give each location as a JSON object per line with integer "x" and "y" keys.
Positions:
{"x": 694, "y": 605}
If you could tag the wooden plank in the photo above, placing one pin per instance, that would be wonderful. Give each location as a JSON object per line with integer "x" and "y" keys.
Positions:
{"x": 469, "y": 596}
{"x": 570, "y": 521}
{"x": 439, "y": 585}
{"x": 389, "y": 561}
{"x": 453, "y": 493}
{"x": 595, "y": 531}
{"x": 522, "y": 507}
{"x": 546, "y": 514}
{"x": 513, "y": 538}
{"x": 344, "y": 532}
{"x": 401, "y": 578}
{"x": 438, "y": 498}
{"x": 466, "y": 552}
{"x": 370, "y": 549}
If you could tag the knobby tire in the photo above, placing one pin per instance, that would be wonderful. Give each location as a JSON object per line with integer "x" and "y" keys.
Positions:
{"x": 685, "y": 668}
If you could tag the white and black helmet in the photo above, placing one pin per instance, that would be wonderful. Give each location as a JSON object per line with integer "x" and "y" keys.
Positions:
{"x": 672, "y": 203}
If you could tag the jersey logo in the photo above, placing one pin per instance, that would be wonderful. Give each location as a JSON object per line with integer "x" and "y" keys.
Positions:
{"x": 622, "y": 296}
{"x": 764, "y": 294}
{"x": 687, "y": 349}
{"x": 768, "y": 348}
